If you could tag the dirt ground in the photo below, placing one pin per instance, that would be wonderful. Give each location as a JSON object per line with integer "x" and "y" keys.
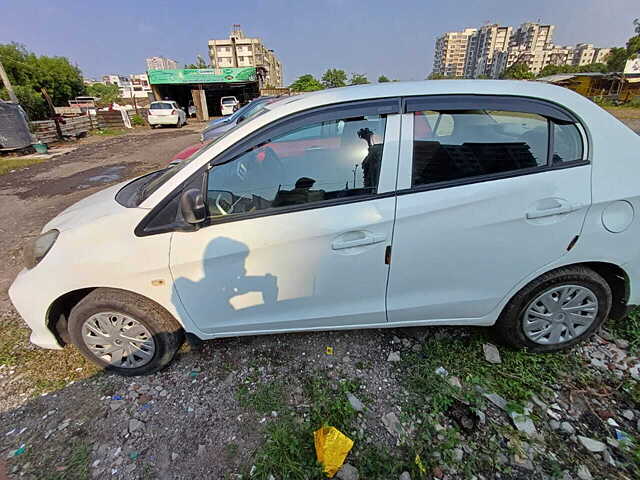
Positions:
{"x": 234, "y": 404}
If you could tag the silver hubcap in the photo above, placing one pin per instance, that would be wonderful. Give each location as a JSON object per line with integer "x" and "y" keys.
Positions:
{"x": 560, "y": 314}
{"x": 118, "y": 339}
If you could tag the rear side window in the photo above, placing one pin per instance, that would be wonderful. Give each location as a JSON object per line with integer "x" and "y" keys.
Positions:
{"x": 567, "y": 144}
{"x": 470, "y": 143}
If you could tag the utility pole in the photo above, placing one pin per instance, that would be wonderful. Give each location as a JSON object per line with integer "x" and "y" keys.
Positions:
{"x": 7, "y": 84}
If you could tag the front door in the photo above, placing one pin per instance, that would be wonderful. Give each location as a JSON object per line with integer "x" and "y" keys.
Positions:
{"x": 486, "y": 200}
{"x": 298, "y": 230}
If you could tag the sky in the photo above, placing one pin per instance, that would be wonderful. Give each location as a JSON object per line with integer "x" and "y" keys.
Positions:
{"x": 374, "y": 37}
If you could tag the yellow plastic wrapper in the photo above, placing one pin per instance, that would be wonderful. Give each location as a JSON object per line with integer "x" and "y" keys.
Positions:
{"x": 332, "y": 447}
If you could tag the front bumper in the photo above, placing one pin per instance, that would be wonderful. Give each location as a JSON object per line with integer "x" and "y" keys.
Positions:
{"x": 27, "y": 297}
{"x": 163, "y": 119}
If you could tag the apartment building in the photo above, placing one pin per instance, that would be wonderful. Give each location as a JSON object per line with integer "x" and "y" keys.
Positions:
{"x": 486, "y": 43}
{"x": 161, "y": 63}
{"x": 586, "y": 53}
{"x": 451, "y": 53}
{"x": 491, "y": 49}
{"x": 239, "y": 51}
{"x": 136, "y": 85}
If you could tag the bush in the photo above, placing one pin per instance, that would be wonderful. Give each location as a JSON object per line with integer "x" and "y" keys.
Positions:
{"x": 30, "y": 100}
{"x": 137, "y": 120}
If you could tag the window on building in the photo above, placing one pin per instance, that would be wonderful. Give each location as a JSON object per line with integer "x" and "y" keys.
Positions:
{"x": 318, "y": 162}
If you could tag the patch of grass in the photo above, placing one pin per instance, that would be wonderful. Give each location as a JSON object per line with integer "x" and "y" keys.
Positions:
{"x": 289, "y": 452}
{"x": 517, "y": 378}
{"x": 44, "y": 370}
{"x": 375, "y": 462}
{"x": 628, "y": 328}
{"x": 106, "y": 132}
{"x": 263, "y": 398}
{"x": 8, "y": 164}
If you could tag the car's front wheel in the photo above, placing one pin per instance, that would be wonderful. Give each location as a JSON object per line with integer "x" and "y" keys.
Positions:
{"x": 556, "y": 310}
{"x": 124, "y": 332}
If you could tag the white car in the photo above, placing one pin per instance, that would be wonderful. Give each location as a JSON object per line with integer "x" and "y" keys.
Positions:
{"x": 228, "y": 105}
{"x": 166, "y": 112}
{"x": 390, "y": 205}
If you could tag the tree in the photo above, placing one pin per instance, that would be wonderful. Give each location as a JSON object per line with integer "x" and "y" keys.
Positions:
{"x": 518, "y": 71}
{"x": 358, "y": 79}
{"x": 333, "y": 78}
{"x": 383, "y": 79}
{"x": 200, "y": 63}
{"x": 617, "y": 59}
{"x": 306, "y": 83}
{"x": 30, "y": 100}
{"x": 436, "y": 76}
{"x": 107, "y": 92}
{"x": 61, "y": 79}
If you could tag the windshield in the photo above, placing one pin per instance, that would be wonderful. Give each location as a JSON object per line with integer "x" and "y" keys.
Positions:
{"x": 161, "y": 106}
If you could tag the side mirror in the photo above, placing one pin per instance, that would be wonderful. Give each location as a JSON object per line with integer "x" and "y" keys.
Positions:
{"x": 240, "y": 119}
{"x": 192, "y": 206}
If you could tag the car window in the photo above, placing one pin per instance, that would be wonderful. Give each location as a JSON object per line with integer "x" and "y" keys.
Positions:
{"x": 318, "y": 162}
{"x": 567, "y": 143}
{"x": 161, "y": 106}
{"x": 228, "y": 101}
{"x": 464, "y": 144}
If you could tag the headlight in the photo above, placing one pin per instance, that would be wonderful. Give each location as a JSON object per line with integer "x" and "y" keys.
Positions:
{"x": 36, "y": 249}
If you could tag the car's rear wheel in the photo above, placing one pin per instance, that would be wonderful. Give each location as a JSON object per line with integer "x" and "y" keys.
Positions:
{"x": 124, "y": 332}
{"x": 556, "y": 310}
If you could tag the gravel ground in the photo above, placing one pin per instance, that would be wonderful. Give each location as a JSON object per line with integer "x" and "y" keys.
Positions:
{"x": 436, "y": 403}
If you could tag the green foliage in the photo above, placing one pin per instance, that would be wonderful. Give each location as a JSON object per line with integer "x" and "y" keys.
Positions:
{"x": 383, "y": 79}
{"x": 30, "y": 100}
{"x": 555, "y": 69}
{"x": 518, "y": 71}
{"x": 436, "y": 76}
{"x": 334, "y": 77}
{"x": 306, "y": 83}
{"x": 137, "y": 120}
{"x": 25, "y": 69}
{"x": 108, "y": 132}
{"x": 263, "y": 397}
{"x": 200, "y": 63}
{"x": 7, "y": 165}
{"x": 358, "y": 79}
{"x": 289, "y": 450}
{"x": 107, "y": 92}
{"x": 628, "y": 328}
{"x": 617, "y": 59}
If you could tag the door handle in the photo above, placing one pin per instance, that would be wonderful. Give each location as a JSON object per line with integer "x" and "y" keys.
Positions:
{"x": 313, "y": 148}
{"x": 365, "y": 238}
{"x": 548, "y": 212}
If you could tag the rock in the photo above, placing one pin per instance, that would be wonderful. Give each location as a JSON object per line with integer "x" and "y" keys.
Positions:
{"x": 497, "y": 400}
{"x": 416, "y": 348}
{"x": 393, "y": 357}
{"x": 229, "y": 379}
{"x": 592, "y": 445}
{"x": 628, "y": 414}
{"x": 523, "y": 422}
{"x": 116, "y": 404}
{"x": 567, "y": 428}
{"x": 455, "y": 382}
{"x": 135, "y": 425}
{"x": 441, "y": 371}
{"x": 621, "y": 343}
{"x": 201, "y": 449}
{"x": 612, "y": 422}
{"x": 584, "y": 473}
{"x": 348, "y": 472}
{"x": 553, "y": 414}
{"x": 458, "y": 454}
{"x": 130, "y": 468}
{"x": 405, "y": 476}
{"x": 482, "y": 418}
{"x": 355, "y": 402}
{"x": 174, "y": 456}
{"x": 554, "y": 424}
{"x": 163, "y": 393}
{"x": 491, "y": 353}
{"x": 392, "y": 424}
{"x": 635, "y": 372}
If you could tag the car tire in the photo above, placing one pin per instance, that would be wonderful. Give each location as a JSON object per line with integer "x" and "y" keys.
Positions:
{"x": 527, "y": 322}
{"x": 108, "y": 318}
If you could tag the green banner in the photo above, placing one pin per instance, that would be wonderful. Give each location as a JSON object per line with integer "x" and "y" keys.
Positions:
{"x": 202, "y": 75}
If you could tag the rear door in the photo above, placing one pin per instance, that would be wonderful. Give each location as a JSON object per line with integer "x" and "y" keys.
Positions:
{"x": 493, "y": 190}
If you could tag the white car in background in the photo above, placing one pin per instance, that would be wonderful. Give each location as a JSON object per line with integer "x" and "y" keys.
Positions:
{"x": 166, "y": 112}
{"x": 228, "y": 105}
{"x": 503, "y": 203}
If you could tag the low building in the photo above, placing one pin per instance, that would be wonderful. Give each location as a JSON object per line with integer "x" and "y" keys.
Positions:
{"x": 239, "y": 51}
{"x": 130, "y": 86}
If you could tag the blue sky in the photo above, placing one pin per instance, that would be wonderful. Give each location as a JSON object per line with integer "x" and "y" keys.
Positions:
{"x": 395, "y": 38}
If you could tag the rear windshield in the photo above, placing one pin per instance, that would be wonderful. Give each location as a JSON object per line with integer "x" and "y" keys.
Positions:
{"x": 161, "y": 106}
{"x": 228, "y": 101}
